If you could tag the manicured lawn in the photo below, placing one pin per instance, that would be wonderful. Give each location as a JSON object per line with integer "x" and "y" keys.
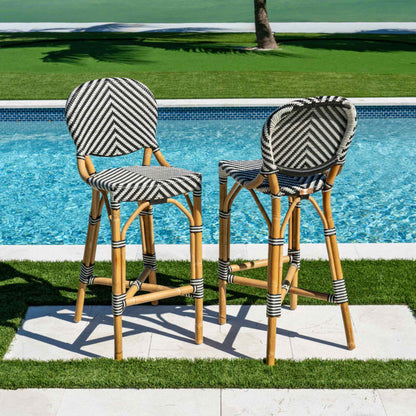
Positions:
{"x": 54, "y": 283}
{"x": 156, "y": 11}
{"x": 49, "y": 66}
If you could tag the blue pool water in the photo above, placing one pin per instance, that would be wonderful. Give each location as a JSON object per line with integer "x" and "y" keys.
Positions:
{"x": 44, "y": 201}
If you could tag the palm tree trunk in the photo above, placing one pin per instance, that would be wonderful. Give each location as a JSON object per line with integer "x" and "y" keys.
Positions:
{"x": 264, "y": 34}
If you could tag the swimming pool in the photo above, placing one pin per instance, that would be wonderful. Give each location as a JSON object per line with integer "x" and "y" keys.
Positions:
{"x": 44, "y": 201}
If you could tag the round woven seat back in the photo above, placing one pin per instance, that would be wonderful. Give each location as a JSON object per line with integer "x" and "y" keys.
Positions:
{"x": 308, "y": 136}
{"x": 111, "y": 117}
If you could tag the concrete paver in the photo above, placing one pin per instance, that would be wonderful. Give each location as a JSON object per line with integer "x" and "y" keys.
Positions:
{"x": 208, "y": 402}
{"x": 381, "y": 332}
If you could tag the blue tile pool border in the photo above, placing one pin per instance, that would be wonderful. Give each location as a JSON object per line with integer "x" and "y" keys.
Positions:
{"x": 207, "y": 113}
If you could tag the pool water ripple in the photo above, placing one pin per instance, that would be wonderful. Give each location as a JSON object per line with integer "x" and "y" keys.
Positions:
{"x": 44, "y": 201}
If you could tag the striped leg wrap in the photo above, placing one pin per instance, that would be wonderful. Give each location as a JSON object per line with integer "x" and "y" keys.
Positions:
{"x": 156, "y": 149}
{"x": 85, "y": 275}
{"x": 340, "y": 292}
{"x": 327, "y": 187}
{"x": 195, "y": 228}
{"x": 198, "y": 285}
{"x": 223, "y": 180}
{"x": 275, "y": 241}
{"x": 94, "y": 221}
{"x": 224, "y": 271}
{"x": 148, "y": 212}
{"x": 115, "y": 206}
{"x": 224, "y": 215}
{"x": 274, "y": 305}
{"x": 198, "y": 193}
{"x": 149, "y": 260}
{"x": 119, "y": 304}
{"x": 118, "y": 244}
{"x": 136, "y": 283}
{"x": 294, "y": 257}
{"x": 329, "y": 231}
{"x": 286, "y": 286}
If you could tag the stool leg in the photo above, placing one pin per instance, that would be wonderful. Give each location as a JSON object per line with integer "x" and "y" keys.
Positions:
{"x": 336, "y": 269}
{"x": 148, "y": 241}
{"x": 117, "y": 284}
{"x": 294, "y": 235}
{"x": 196, "y": 265}
{"x": 224, "y": 252}
{"x": 274, "y": 280}
{"x": 89, "y": 251}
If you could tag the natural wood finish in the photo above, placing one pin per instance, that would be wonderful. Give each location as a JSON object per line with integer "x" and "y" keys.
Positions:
{"x": 255, "y": 264}
{"x": 183, "y": 209}
{"x": 288, "y": 280}
{"x": 142, "y": 278}
{"x": 308, "y": 293}
{"x": 89, "y": 250}
{"x": 150, "y": 244}
{"x": 117, "y": 287}
{"x": 258, "y": 180}
{"x": 197, "y": 216}
{"x": 163, "y": 294}
{"x": 248, "y": 281}
{"x": 223, "y": 255}
{"x": 288, "y": 216}
{"x": 147, "y": 156}
{"x": 261, "y": 208}
{"x": 159, "y": 157}
{"x": 132, "y": 217}
{"x": 295, "y": 245}
{"x": 274, "y": 270}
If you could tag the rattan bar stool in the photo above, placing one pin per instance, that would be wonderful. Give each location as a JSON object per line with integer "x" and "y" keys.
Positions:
{"x": 303, "y": 145}
{"x": 117, "y": 116}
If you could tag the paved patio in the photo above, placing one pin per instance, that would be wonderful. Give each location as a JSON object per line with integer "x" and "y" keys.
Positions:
{"x": 381, "y": 332}
{"x": 207, "y": 402}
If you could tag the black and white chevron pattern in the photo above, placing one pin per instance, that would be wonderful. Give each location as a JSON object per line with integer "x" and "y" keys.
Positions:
{"x": 111, "y": 117}
{"x": 245, "y": 171}
{"x": 308, "y": 136}
{"x": 150, "y": 183}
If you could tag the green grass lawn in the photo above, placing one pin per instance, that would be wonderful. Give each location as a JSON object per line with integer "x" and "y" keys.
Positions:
{"x": 156, "y": 11}
{"x": 55, "y": 283}
{"x": 49, "y": 66}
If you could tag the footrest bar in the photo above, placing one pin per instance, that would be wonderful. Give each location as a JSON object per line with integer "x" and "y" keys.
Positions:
{"x": 163, "y": 294}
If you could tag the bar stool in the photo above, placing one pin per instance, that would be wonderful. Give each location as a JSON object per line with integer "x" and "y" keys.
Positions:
{"x": 117, "y": 116}
{"x": 303, "y": 145}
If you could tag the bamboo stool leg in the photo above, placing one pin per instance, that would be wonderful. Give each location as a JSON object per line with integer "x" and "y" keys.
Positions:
{"x": 294, "y": 227}
{"x": 224, "y": 252}
{"x": 118, "y": 294}
{"x": 274, "y": 280}
{"x": 89, "y": 251}
{"x": 150, "y": 243}
{"x": 336, "y": 270}
{"x": 196, "y": 266}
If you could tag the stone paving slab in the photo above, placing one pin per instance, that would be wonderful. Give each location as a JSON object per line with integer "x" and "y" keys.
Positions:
{"x": 381, "y": 332}
{"x": 207, "y": 402}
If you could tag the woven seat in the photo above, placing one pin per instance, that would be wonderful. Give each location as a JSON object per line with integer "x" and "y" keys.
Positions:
{"x": 150, "y": 183}
{"x": 303, "y": 146}
{"x": 245, "y": 171}
{"x": 116, "y": 116}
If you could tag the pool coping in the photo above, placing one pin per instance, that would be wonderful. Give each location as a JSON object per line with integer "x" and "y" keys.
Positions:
{"x": 212, "y": 27}
{"x": 310, "y": 251}
{"x": 219, "y": 102}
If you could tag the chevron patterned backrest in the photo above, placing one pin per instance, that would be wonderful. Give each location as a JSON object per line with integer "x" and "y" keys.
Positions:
{"x": 111, "y": 117}
{"x": 308, "y": 136}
